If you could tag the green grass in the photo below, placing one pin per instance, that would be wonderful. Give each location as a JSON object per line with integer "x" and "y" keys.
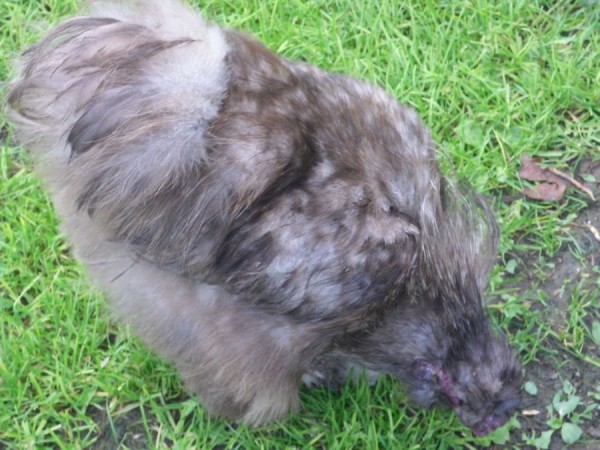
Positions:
{"x": 493, "y": 80}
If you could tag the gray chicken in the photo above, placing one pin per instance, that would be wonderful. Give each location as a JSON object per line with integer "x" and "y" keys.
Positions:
{"x": 260, "y": 222}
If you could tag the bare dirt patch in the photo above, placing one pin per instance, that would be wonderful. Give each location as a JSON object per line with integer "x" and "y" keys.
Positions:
{"x": 574, "y": 272}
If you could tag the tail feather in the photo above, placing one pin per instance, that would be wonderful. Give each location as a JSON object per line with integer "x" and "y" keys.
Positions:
{"x": 128, "y": 66}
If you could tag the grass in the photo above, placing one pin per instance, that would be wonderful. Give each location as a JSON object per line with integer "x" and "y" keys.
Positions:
{"x": 493, "y": 80}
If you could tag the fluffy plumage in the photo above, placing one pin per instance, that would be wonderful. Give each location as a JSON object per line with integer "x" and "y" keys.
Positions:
{"x": 259, "y": 221}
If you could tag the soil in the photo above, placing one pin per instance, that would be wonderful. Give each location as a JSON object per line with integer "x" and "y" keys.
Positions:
{"x": 126, "y": 431}
{"x": 576, "y": 265}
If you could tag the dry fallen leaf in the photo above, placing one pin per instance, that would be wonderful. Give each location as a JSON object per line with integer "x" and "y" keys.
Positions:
{"x": 553, "y": 188}
{"x": 553, "y": 181}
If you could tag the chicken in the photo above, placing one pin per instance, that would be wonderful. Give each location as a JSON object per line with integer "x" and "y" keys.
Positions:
{"x": 259, "y": 221}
